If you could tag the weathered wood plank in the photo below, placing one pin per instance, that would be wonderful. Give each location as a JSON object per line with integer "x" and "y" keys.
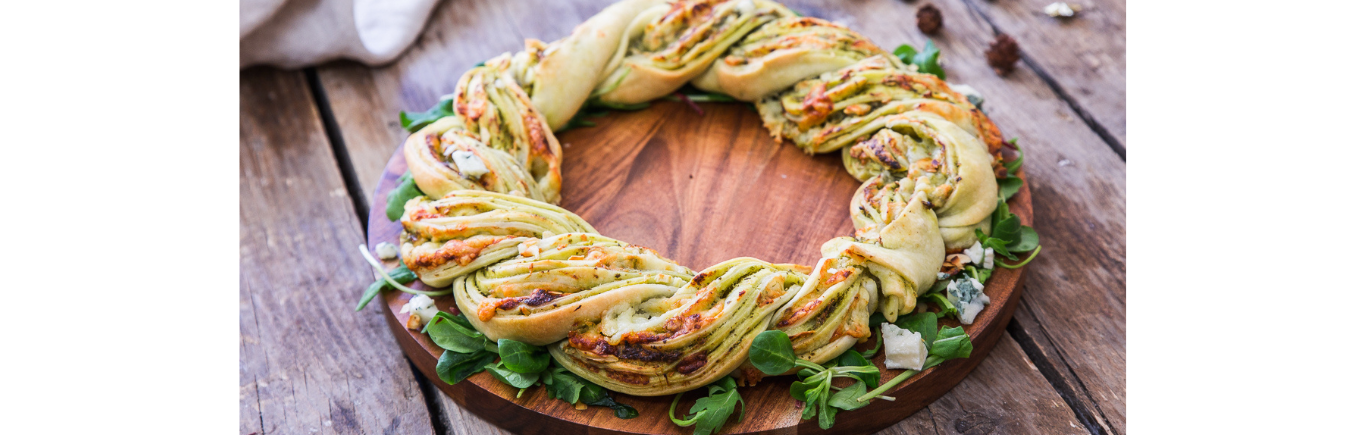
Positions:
{"x": 366, "y": 104}
{"x": 1083, "y": 55}
{"x": 1076, "y": 288}
{"x": 307, "y": 362}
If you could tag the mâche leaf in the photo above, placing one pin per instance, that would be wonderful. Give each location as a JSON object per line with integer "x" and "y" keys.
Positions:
{"x": 416, "y": 120}
{"x": 952, "y": 343}
{"x": 845, "y": 399}
{"x": 404, "y": 191}
{"x": 927, "y": 60}
{"x": 772, "y": 353}
{"x": 852, "y": 358}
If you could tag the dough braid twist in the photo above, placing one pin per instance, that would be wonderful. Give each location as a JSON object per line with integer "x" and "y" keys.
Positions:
{"x": 623, "y": 316}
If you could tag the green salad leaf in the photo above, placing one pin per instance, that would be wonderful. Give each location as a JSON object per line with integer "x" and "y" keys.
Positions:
{"x": 926, "y": 60}
{"x": 404, "y": 191}
{"x": 772, "y": 353}
{"x": 401, "y": 274}
{"x": 523, "y": 358}
{"x": 711, "y": 412}
{"x": 414, "y": 121}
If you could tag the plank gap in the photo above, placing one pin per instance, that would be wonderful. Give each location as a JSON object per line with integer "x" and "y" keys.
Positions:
{"x": 440, "y": 422}
{"x": 1062, "y": 94}
{"x": 334, "y": 139}
{"x": 1055, "y": 378}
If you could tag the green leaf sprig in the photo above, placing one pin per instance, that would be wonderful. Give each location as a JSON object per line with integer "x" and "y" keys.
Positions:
{"x": 711, "y": 412}
{"x": 404, "y": 191}
{"x": 1008, "y": 235}
{"x": 927, "y": 60}
{"x": 394, "y": 279}
{"x": 772, "y": 354}
{"x": 414, "y": 121}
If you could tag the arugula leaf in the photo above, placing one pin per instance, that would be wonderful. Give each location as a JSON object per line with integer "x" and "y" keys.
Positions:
{"x": 401, "y": 274}
{"x": 852, "y": 358}
{"x": 451, "y": 336}
{"x": 711, "y": 412}
{"x": 521, "y": 357}
{"x": 925, "y": 323}
{"x": 845, "y": 399}
{"x": 416, "y": 120}
{"x": 454, "y": 367}
{"x": 515, "y": 379}
{"x": 937, "y": 297}
{"x": 772, "y": 353}
{"x": 404, "y": 191}
{"x": 1014, "y": 165}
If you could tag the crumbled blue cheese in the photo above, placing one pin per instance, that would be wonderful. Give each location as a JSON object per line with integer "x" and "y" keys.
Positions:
{"x": 972, "y": 95}
{"x": 386, "y": 251}
{"x": 421, "y": 306}
{"x": 905, "y": 349}
{"x": 975, "y": 253}
{"x": 989, "y": 259}
{"x": 470, "y": 165}
{"x": 1058, "y": 9}
{"x": 966, "y": 296}
{"x": 942, "y": 276}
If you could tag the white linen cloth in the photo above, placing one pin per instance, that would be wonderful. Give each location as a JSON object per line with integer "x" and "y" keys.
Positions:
{"x": 298, "y": 33}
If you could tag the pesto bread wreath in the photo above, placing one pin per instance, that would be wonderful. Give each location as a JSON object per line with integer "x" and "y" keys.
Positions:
{"x": 480, "y": 222}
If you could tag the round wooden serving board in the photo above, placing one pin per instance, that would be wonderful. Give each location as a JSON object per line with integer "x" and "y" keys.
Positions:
{"x": 700, "y": 189}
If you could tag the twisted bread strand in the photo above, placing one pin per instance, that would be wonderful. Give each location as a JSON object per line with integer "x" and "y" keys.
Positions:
{"x": 623, "y": 316}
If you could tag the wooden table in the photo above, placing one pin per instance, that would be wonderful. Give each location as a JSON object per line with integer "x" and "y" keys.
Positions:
{"x": 313, "y": 145}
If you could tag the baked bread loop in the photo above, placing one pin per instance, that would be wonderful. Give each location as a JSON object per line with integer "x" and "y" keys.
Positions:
{"x": 675, "y": 343}
{"x": 497, "y": 112}
{"x": 927, "y": 154}
{"x": 668, "y": 45}
{"x": 837, "y": 108}
{"x": 898, "y": 238}
{"x": 829, "y": 314}
{"x": 783, "y": 52}
{"x": 537, "y": 295}
{"x": 435, "y": 155}
{"x": 467, "y": 230}
{"x": 559, "y": 76}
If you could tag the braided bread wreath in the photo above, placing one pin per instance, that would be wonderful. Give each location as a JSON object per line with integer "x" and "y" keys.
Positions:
{"x": 630, "y": 320}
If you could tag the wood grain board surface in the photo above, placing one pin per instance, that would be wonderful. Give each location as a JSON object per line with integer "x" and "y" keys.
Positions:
{"x": 305, "y": 188}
